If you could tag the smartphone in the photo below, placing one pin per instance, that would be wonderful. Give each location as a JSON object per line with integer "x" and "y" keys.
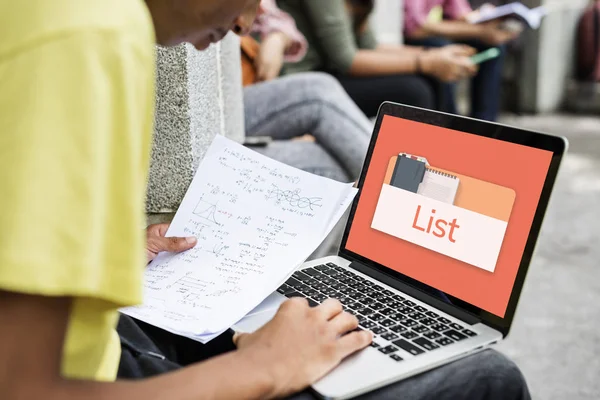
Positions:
{"x": 486, "y": 55}
{"x": 257, "y": 141}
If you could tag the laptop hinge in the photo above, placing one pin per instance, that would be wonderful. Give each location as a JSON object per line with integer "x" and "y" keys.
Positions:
{"x": 411, "y": 291}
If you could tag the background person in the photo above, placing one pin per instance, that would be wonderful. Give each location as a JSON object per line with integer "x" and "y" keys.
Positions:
{"x": 421, "y": 30}
{"x": 291, "y": 107}
{"x": 371, "y": 73}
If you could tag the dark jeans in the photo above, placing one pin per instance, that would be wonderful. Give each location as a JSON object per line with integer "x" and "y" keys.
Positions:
{"x": 485, "y": 375}
{"x": 485, "y": 86}
{"x": 369, "y": 92}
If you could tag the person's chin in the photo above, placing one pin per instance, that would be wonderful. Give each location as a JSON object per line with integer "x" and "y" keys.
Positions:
{"x": 202, "y": 45}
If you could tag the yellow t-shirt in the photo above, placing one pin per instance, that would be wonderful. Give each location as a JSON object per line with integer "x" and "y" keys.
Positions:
{"x": 76, "y": 116}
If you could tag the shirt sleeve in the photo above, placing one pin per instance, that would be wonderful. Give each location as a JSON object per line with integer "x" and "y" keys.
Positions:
{"x": 367, "y": 39}
{"x": 456, "y": 9}
{"x": 72, "y": 166}
{"x": 333, "y": 31}
{"x": 415, "y": 15}
{"x": 271, "y": 19}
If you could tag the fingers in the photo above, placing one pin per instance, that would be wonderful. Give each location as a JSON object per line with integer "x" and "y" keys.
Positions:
{"x": 464, "y": 50}
{"x": 157, "y": 229}
{"x": 267, "y": 72}
{"x": 353, "y": 342}
{"x": 260, "y": 66}
{"x": 466, "y": 67}
{"x": 343, "y": 323}
{"x": 470, "y": 51}
{"x": 294, "y": 303}
{"x": 162, "y": 228}
{"x": 471, "y": 69}
{"x": 238, "y": 338}
{"x": 270, "y": 74}
{"x": 260, "y": 72}
{"x": 329, "y": 309}
{"x": 174, "y": 244}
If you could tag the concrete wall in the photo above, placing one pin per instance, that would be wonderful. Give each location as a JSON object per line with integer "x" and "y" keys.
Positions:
{"x": 387, "y": 21}
{"x": 199, "y": 95}
{"x": 548, "y": 57}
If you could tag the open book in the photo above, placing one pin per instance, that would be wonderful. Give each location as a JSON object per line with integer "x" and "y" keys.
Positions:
{"x": 512, "y": 11}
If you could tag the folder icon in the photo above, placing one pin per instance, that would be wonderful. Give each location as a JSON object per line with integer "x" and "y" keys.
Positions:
{"x": 454, "y": 214}
{"x": 475, "y": 195}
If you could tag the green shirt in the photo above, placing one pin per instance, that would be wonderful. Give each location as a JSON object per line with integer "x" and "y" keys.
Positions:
{"x": 328, "y": 28}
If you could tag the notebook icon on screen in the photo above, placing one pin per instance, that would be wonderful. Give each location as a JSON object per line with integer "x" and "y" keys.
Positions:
{"x": 415, "y": 176}
{"x": 453, "y": 214}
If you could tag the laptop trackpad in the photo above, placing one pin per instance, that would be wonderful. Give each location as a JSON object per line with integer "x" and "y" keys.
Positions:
{"x": 261, "y": 314}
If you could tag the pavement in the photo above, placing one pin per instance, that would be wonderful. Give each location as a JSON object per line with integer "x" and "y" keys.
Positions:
{"x": 555, "y": 338}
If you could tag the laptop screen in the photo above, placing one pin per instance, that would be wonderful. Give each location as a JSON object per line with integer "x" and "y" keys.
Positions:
{"x": 449, "y": 209}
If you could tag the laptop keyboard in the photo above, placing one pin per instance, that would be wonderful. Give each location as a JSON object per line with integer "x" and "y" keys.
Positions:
{"x": 394, "y": 320}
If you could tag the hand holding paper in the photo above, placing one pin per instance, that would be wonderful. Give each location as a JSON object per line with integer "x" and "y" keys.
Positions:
{"x": 256, "y": 220}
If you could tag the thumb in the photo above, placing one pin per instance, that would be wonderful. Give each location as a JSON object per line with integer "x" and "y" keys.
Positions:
{"x": 464, "y": 50}
{"x": 238, "y": 337}
{"x": 176, "y": 244}
{"x": 467, "y": 64}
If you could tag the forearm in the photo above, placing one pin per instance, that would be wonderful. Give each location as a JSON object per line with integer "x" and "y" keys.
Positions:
{"x": 231, "y": 376}
{"x": 279, "y": 40}
{"x": 376, "y": 62}
{"x": 414, "y": 50}
{"x": 457, "y": 30}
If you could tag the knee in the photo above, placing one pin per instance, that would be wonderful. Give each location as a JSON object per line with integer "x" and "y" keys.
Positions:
{"x": 424, "y": 95}
{"x": 499, "y": 376}
{"x": 320, "y": 86}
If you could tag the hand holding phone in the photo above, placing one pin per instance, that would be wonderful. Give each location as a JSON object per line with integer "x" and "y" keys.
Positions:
{"x": 486, "y": 55}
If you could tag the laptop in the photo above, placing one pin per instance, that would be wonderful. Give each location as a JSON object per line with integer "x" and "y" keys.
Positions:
{"x": 436, "y": 247}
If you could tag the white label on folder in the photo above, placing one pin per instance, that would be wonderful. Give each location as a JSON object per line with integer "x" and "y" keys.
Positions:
{"x": 456, "y": 232}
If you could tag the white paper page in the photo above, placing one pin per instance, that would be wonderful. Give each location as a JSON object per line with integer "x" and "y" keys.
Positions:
{"x": 438, "y": 187}
{"x": 256, "y": 220}
{"x": 533, "y": 17}
{"x": 345, "y": 202}
{"x": 339, "y": 213}
{"x": 266, "y": 304}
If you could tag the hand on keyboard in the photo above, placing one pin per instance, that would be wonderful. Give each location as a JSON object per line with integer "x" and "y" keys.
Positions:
{"x": 301, "y": 343}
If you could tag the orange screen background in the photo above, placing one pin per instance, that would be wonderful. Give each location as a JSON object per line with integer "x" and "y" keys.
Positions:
{"x": 521, "y": 168}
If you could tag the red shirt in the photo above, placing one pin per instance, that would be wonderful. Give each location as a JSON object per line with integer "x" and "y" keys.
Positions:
{"x": 417, "y": 11}
{"x": 271, "y": 19}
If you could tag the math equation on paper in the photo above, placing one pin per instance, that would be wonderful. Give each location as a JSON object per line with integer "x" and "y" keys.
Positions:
{"x": 255, "y": 220}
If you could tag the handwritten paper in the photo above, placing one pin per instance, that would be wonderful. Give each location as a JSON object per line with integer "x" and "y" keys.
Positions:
{"x": 256, "y": 221}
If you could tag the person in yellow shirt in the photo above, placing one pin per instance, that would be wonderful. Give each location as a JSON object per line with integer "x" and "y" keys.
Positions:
{"x": 77, "y": 103}
{"x": 76, "y": 113}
